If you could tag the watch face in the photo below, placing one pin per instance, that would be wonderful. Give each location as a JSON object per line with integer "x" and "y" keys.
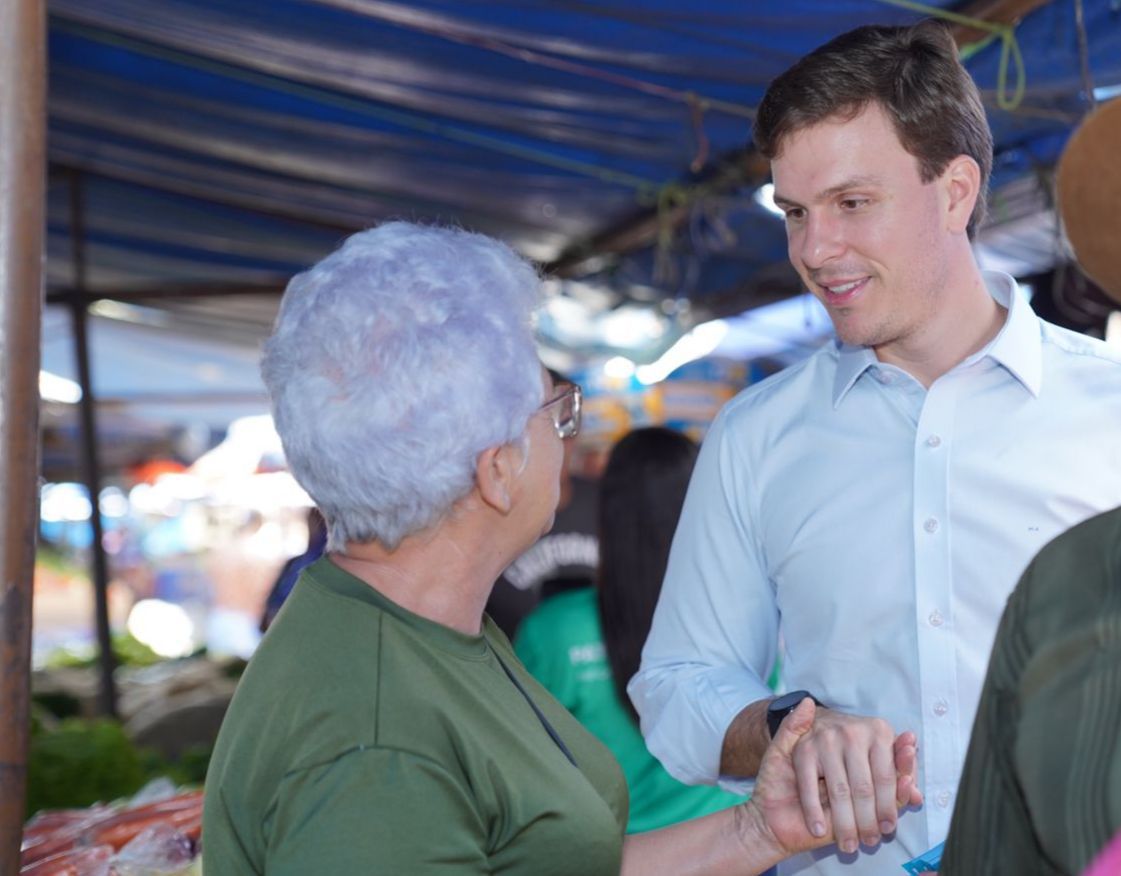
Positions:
{"x": 787, "y": 702}
{"x": 782, "y": 706}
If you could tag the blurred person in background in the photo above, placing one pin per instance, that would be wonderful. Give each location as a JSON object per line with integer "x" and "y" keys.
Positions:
{"x": 241, "y": 564}
{"x": 290, "y": 573}
{"x": 385, "y": 724}
{"x": 584, "y": 646}
{"x": 563, "y": 559}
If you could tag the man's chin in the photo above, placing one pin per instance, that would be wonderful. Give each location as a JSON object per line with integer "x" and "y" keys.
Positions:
{"x": 853, "y": 335}
{"x": 855, "y": 340}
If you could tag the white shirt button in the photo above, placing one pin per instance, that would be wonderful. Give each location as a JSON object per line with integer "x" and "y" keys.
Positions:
{"x": 933, "y": 441}
{"x": 930, "y": 524}
{"x": 936, "y": 618}
{"x": 941, "y": 707}
{"x": 944, "y": 798}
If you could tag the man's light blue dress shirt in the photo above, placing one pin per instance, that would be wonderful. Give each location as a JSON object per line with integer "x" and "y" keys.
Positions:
{"x": 881, "y": 527}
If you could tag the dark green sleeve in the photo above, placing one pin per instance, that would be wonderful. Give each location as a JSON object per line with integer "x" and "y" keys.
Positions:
{"x": 990, "y": 802}
{"x": 375, "y": 812}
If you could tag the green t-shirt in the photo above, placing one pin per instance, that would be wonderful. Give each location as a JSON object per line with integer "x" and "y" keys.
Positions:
{"x": 365, "y": 739}
{"x": 561, "y": 643}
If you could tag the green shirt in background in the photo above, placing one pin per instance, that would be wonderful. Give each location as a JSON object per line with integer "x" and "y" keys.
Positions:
{"x": 365, "y": 739}
{"x": 561, "y": 643}
{"x": 1040, "y": 793}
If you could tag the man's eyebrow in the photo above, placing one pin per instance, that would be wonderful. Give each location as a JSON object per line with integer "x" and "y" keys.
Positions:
{"x": 853, "y": 182}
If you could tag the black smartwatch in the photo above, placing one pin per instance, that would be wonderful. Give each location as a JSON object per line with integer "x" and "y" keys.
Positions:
{"x": 782, "y": 706}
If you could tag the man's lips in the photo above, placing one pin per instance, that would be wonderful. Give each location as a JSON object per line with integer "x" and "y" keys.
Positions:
{"x": 841, "y": 292}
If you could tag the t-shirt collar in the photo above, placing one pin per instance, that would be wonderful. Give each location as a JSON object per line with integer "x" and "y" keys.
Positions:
{"x": 342, "y": 583}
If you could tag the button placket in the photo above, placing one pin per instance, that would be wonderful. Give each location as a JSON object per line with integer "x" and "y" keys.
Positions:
{"x": 933, "y": 589}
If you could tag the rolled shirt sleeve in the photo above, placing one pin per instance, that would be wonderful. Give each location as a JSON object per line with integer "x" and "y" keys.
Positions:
{"x": 713, "y": 638}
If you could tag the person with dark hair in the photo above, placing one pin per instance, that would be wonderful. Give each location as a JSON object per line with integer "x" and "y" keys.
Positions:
{"x": 874, "y": 505}
{"x": 912, "y": 76}
{"x": 584, "y": 645}
{"x": 290, "y": 573}
{"x": 563, "y": 559}
{"x": 643, "y": 488}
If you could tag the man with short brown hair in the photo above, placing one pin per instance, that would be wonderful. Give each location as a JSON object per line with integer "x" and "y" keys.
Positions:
{"x": 877, "y": 502}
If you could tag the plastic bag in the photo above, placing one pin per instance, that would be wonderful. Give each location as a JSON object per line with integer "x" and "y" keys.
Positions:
{"x": 93, "y": 861}
{"x": 159, "y": 850}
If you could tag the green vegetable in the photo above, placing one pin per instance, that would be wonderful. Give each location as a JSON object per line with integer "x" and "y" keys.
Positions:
{"x": 127, "y": 650}
{"x": 81, "y": 763}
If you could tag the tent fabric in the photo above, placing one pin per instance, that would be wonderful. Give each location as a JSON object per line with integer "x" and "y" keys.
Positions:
{"x": 210, "y": 144}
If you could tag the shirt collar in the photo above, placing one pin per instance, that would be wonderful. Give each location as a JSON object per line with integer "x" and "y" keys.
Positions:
{"x": 1017, "y": 346}
{"x": 851, "y": 363}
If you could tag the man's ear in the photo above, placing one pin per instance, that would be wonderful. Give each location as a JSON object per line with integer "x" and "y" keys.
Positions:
{"x": 495, "y": 471}
{"x": 961, "y": 182}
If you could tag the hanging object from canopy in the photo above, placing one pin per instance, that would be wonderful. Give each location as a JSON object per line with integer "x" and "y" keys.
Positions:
{"x": 1089, "y": 184}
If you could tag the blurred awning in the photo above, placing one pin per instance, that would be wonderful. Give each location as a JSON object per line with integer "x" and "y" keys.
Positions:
{"x": 204, "y": 151}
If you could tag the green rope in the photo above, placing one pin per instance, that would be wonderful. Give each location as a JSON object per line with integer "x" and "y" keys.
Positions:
{"x": 1010, "y": 46}
{"x": 665, "y": 196}
{"x": 946, "y": 15}
{"x": 1009, "y": 50}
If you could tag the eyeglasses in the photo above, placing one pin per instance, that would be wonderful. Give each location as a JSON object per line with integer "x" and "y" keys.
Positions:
{"x": 565, "y": 408}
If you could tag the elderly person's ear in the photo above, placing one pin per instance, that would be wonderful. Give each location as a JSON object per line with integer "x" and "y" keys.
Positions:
{"x": 496, "y": 469}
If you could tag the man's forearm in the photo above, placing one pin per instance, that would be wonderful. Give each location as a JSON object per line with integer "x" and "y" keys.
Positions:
{"x": 745, "y": 741}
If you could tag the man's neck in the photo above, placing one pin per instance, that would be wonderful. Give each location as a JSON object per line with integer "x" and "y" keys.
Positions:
{"x": 965, "y": 321}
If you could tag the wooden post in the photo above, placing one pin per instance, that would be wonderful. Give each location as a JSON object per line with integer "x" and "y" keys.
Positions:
{"x": 22, "y": 210}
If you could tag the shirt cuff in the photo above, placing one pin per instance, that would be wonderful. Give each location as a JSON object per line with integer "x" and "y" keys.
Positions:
{"x": 686, "y": 714}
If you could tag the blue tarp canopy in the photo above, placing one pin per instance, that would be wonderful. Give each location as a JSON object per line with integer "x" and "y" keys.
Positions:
{"x": 205, "y": 150}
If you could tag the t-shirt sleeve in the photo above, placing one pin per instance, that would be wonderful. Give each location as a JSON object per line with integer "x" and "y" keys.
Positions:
{"x": 375, "y": 811}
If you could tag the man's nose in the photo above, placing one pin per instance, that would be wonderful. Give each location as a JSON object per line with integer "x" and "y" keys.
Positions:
{"x": 822, "y": 240}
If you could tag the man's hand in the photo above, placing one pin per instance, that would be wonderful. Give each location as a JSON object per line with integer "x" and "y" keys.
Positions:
{"x": 855, "y": 766}
{"x": 906, "y": 753}
{"x": 801, "y": 814}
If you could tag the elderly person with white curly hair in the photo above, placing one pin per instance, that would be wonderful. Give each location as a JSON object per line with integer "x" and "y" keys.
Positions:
{"x": 384, "y": 725}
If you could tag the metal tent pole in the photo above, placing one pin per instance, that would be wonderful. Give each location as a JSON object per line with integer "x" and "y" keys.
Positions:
{"x": 91, "y": 468}
{"x": 22, "y": 189}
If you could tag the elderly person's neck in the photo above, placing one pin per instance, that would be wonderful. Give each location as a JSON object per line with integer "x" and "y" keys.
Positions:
{"x": 444, "y": 574}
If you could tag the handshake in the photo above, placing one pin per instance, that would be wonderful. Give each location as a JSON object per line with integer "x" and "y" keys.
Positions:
{"x": 830, "y": 777}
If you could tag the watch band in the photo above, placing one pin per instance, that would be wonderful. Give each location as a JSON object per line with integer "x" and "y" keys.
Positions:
{"x": 783, "y": 705}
